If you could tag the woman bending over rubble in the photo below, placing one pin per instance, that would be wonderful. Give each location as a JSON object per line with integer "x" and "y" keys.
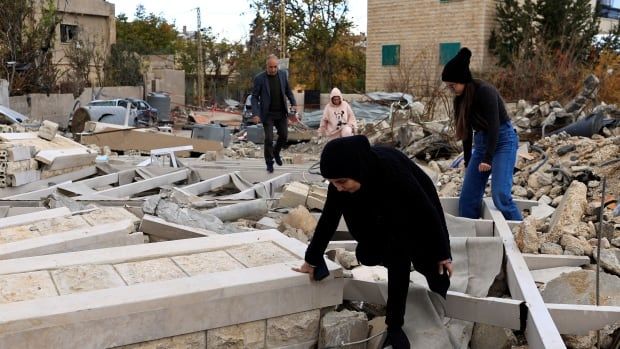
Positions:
{"x": 392, "y": 209}
{"x": 338, "y": 119}
{"x": 480, "y": 115}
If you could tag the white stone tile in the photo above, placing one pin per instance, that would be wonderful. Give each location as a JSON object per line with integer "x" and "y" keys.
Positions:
{"x": 207, "y": 262}
{"x": 13, "y": 234}
{"x": 84, "y": 278}
{"x": 261, "y": 253}
{"x": 109, "y": 215}
{"x": 59, "y": 225}
{"x": 150, "y": 270}
{"x": 196, "y": 340}
{"x": 250, "y": 335}
{"x": 26, "y": 286}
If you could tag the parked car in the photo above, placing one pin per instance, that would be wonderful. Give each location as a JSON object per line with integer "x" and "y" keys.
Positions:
{"x": 112, "y": 111}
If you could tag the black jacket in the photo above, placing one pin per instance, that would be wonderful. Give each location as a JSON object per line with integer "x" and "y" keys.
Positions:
{"x": 261, "y": 93}
{"x": 396, "y": 214}
{"x": 488, "y": 112}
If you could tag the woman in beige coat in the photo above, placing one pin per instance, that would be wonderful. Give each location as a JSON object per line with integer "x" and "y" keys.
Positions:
{"x": 338, "y": 119}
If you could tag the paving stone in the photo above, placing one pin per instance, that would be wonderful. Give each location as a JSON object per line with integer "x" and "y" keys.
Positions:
{"x": 250, "y": 335}
{"x": 196, "y": 340}
{"x": 207, "y": 262}
{"x": 26, "y": 286}
{"x": 293, "y": 329}
{"x": 83, "y": 278}
{"x": 109, "y": 215}
{"x": 59, "y": 225}
{"x": 13, "y": 234}
{"x": 150, "y": 270}
{"x": 262, "y": 253}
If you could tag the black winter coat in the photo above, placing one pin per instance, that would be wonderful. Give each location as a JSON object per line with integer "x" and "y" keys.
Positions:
{"x": 397, "y": 219}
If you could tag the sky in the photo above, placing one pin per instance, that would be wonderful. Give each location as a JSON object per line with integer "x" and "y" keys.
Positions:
{"x": 231, "y": 21}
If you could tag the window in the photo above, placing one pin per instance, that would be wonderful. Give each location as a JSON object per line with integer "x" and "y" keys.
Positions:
{"x": 447, "y": 51}
{"x": 68, "y": 32}
{"x": 390, "y": 55}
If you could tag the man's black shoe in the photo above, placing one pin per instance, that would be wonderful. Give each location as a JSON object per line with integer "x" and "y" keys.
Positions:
{"x": 278, "y": 159}
{"x": 270, "y": 167}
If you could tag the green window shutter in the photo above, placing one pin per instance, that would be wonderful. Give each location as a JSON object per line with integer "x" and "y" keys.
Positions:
{"x": 390, "y": 55}
{"x": 447, "y": 51}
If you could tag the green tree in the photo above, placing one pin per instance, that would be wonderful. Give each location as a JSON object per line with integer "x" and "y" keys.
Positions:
{"x": 122, "y": 67}
{"x": 319, "y": 38}
{"x": 147, "y": 34}
{"x": 525, "y": 28}
{"x": 25, "y": 45}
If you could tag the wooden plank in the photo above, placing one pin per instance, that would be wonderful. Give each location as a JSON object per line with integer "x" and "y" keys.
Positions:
{"x": 22, "y": 219}
{"x": 206, "y": 185}
{"x": 540, "y": 331}
{"x": 545, "y": 261}
{"x": 580, "y": 319}
{"x": 157, "y": 227}
{"x": 127, "y": 190}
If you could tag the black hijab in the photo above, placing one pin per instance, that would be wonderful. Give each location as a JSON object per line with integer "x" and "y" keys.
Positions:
{"x": 348, "y": 157}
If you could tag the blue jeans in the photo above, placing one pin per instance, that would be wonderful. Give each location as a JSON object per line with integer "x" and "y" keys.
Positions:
{"x": 501, "y": 180}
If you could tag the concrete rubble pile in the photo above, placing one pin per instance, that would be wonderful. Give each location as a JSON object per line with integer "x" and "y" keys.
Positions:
{"x": 27, "y": 157}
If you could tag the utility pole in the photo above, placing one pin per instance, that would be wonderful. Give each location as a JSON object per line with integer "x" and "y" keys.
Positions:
{"x": 200, "y": 67}
{"x": 282, "y": 28}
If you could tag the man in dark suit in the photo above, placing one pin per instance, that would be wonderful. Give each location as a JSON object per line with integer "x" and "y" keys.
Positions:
{"x": 269, "y": 104}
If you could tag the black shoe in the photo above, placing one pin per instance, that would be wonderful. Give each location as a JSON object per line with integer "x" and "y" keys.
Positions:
{"x": 278, "y": 159}
{"x": 270, "y": 166}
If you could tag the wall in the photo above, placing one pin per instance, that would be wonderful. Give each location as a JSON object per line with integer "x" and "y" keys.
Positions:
{"x": 56, "y": 107}
{"x": 169, "y": 81}
{"x": 96, "y": 22}
{"x": 419, "y": 27}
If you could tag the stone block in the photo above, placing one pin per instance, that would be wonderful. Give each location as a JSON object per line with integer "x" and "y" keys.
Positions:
{"x": 196, "y": 340}
{"x": 527, "y": 238}
{"x": 343, "y": 327}
{"x": 48, "y": 130}
{"x": 261, "y": 253}
{"x": 207, "y": 262}
{"x": 569, "y": 211}
{"x": 150, "y": 270}
{"x": 294, "y": 195}
{"x": 84, "y": 278}
{"x": 293, "y": 329}
{"x": 300, "y": 218}
{"x": 492, "y": 337}
{"x": 250, "y": 335}
{"x": 26, "y": 286}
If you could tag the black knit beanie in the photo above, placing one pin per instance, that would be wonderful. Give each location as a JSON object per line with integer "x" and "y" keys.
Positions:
{"x": 457, "y": 69}
{"x": 346, "y": 157}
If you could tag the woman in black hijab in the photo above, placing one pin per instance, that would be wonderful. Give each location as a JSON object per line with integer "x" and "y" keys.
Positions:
{"x": 392, "y": 209}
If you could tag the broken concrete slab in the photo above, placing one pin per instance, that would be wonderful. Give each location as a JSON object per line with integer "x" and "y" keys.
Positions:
{"x": 135, "y": 313}
{"x": 84, "y": 237}
{"x": 160, "y": 229}
{"x": 543, "y": 276}
{"x": 48, "y": 130}
{"x": 569, "y": 211}
{"x": 610, "y": 259}
{"x": 342, "y": 327}
{"x": 579, "y": 287}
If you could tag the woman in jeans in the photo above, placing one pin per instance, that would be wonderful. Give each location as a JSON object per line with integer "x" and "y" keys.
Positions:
{"x": 480, "y": 115}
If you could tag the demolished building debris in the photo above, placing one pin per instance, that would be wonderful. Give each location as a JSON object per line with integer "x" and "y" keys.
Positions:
{"x": 216, "y": 234}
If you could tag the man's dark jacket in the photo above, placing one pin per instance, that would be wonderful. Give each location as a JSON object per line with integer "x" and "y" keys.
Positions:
{"x": 396, "y": 215}
{"x": 261, "y": 95}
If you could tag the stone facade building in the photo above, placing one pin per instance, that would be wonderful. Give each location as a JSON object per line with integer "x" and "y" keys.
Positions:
{"x": 420, "y": 36}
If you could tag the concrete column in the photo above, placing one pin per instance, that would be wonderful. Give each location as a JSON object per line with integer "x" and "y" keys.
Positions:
{"x": 4, "y": 93}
